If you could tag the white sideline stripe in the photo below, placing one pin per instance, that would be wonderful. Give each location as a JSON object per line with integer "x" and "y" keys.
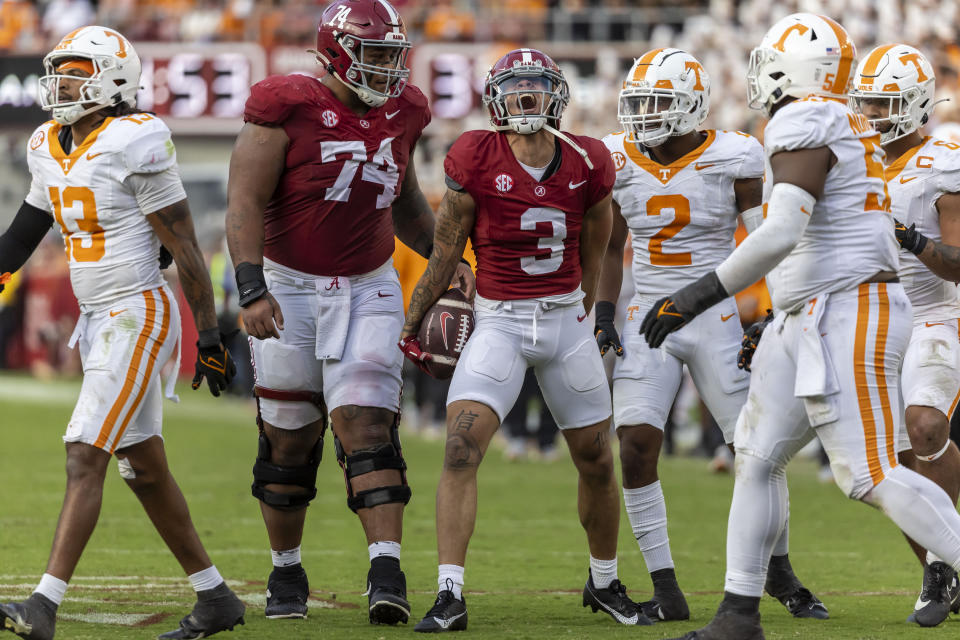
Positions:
{"x": 123, "y": 619}
{"x": 100, "y": 601}
{"x": 260, "y": 600}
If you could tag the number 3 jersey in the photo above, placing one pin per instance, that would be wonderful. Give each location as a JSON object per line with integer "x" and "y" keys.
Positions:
{"x": 682, "y": 216}
{"x": 100, "y": 193}
{"x": 916, "y": 180}
{"x": 526, "y": 232}
{"x": 330, "y": 213}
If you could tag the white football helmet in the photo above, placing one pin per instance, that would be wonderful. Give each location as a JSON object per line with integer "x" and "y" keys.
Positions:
{"x": 666, "y": 93}
{"x": 115, "y": 78}
{"x": 902, "y": 76}
{"x": 803, "y": 54}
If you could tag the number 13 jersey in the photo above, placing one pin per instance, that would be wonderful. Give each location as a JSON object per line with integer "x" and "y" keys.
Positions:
{"x": 682, "y": 216}
{"x": 99, "y": 194}
{"x": 526, "y": 233}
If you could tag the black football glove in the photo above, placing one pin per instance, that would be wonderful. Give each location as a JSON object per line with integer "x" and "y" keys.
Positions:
{"x": 674, "y": 311}
{"x": 166, "y": 258}
{"x": 605, "y": 331}
{"x": 751, "y": 340}
{"x": 909, "y": 238}
{"x": 213, "y": 363}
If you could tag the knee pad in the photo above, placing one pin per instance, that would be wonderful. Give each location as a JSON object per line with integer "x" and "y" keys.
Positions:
{"x": 376, "y": 458}
{"x": 304, "y": 476}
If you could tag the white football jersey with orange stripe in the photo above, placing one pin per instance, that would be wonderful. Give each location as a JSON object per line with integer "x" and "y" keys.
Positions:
{"x": 850, "y": 234}
{"x": 682, "y": 216}
{"x": 111, "y": 248}
{"x": 916, "y": 180}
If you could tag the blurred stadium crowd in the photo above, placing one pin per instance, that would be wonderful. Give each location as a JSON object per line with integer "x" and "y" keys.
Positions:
{"x": 594, "y": 41}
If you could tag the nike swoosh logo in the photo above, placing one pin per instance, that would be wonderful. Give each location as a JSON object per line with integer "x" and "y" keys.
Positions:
{"x": 384, "y": 295}
{"x": 91, "y": 156}
{"x": 906, "y": 180}
{"x": 445, "y": 624}
{"x": 582, "y": 318}
{"x": 574, "y": 186}
{"x": 444, "y": 316}
{"x": 700, "y": 167}
{"x": 390, "y": 115}
{"x": 724, "y": 318}
{"x": 934, "y": 324}
{"x": 804, "y": 210}
{"x": 116, "y": 313}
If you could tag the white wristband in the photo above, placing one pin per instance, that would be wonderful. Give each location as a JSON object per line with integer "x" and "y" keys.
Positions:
{"x": 752, "y": 218}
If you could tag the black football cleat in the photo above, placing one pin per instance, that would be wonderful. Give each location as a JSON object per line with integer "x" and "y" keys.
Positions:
{"x": 666, "y": 607}
{"x": 729, "y": 625}
{"x": 387, "y": 595}
{"x": 613, "y": 601}
{"x": 783, "y": 584}
{"x": 35, "y": 618}
{"x": 939, "y": 594}
{"x": 218, "y": 609}
{"x": 447, "y": 614}
{"x": 287, "y": 593}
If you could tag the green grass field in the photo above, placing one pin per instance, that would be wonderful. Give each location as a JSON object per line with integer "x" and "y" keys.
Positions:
{"x": 527, "y": 561}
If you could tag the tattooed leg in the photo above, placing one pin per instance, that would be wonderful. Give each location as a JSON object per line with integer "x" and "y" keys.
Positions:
{"x": 470, "y": 426}
{"x": 598, "y": 497}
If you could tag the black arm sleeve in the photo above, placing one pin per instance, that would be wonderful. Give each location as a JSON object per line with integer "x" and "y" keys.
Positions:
{"x": 24, "y": 235}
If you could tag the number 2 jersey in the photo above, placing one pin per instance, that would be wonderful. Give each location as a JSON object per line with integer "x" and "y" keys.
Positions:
{"x": 916, "y": 180}
{"x": 682, "y": 216}
{"x": 331, "y": 211}
{"x": 100, "y": 193}
{"x": 850, "y": 236}
{"x": 526, "y": 233}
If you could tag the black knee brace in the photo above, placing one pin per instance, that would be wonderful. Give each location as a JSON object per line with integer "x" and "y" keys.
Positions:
{"x": 266, "y": 472}
{"x": 375, "y": 458}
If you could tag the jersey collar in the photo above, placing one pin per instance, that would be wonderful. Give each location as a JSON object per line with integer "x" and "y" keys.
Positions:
{"x": 68, "y": 161}
{"x": 664, "y": 173}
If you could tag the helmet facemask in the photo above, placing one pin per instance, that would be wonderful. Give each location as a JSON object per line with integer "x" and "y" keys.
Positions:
{"x": 96, "y": 92}
{"x": 766, "y": 84}
{"x": 372, "y": 58}
{"x": 907, "y": 111}
{"x": 650, "y": 116}
{"x": 524, "y": 98}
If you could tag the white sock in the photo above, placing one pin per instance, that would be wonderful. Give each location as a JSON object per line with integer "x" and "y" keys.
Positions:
{"x": 603, "y": 572}
{"x": 286, "y": 558}
{"x": 922, "y": 510}
{"x": 782, "y": 546}
{"x": 647, "y": 513}
{"x": 450, "y": 578}
{"x": 378, "y": 549}
{"x": 757, "y": 516}
{"x": 53, "y": 589}
{"x": 206, "y": 579}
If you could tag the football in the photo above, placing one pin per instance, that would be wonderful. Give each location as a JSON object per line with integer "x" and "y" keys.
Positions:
{"x": 444, "y": 332}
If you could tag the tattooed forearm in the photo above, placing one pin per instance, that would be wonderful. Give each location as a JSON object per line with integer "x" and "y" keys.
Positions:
{"x": 174, "y": 226}
{"x": 450, "y": 238}
{"x": 943, "y": 260}
{"x": 413, "y": 221}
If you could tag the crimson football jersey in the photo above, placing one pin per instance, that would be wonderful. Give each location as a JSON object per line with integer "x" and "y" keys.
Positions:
{"x": 330, "y": 213}
{"x": 526, "y": 235}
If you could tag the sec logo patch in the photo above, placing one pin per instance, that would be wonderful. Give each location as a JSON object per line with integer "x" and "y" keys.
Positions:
{"x": 37, "y": 140}
{"x": 365, "y": 124}
{"x": 619, "y": 160}
{"x": 503, "y": 182}
{"x": 329, "y": 118}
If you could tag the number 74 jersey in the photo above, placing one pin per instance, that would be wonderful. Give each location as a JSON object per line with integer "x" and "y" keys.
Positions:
{"x": 682, "y": 216}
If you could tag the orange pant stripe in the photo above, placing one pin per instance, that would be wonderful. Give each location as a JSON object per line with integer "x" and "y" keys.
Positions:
{"x": 131, "y": 378}
{"x": 151, "y": 360}
{"x": 867, "y": 416}
{"x": 879, "y": 362}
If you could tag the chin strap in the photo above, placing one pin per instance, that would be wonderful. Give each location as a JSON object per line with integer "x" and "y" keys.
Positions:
{"x": 576, "y": 147}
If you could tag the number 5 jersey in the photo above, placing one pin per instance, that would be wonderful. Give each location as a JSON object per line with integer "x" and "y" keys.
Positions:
{"x": 100, "y": 193}
{"x": 331, "y": 211}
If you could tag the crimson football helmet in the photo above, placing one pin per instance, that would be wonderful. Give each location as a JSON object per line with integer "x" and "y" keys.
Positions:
{"x": 363, "y": 42}
{"x": 525, "y": 90}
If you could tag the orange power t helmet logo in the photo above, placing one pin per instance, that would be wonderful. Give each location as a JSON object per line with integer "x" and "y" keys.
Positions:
{"x": 799, "y": 28}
